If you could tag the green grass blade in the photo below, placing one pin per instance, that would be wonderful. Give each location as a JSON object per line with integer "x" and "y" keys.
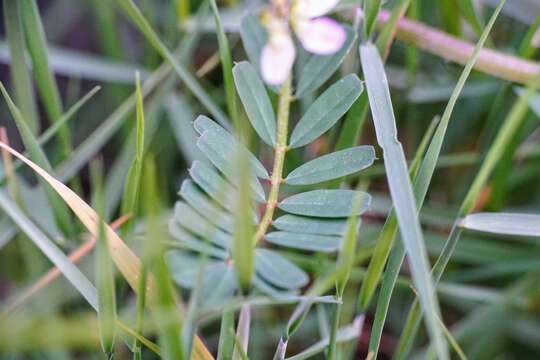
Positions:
{"x": 168, "y": 318}
{"x": 401, "y": 189}
{"x": 388, "y": 32}
{"x": 467, "y": 8}
{"x": 53, "y": 253}
{"x": 503, "y": 223}
{"x": 226, "y": 66}
{"x": 193, "y": 85}
{"x": 66, "y": 117}
{"x": 226, "y": 335}
{"x": 428, "y": 166}
{"x": 386, "y": 237}
{"x": 107, "y": 25}
{"x": 244, "y": 230}
{"x": 99, "y": 137}
{"x": 20, "y": 75}
{"x": 133, "y": 180}
{"x": 421, "y": 185}
{"x": 60, "y": 209}
{"x": 46, "y": 84}
{"x": 104, "y": 270}
{"x": 371, "y": 10}
{"x": 346, "y": 263}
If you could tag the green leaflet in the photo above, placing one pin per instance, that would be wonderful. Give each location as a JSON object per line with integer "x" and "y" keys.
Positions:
{"x": 213, "y": 184}
{"x": 256, "y": 102}
{"x": 311, "y": 242}
{"x": 319, "y": 68}
{"x": 221, "y": 154}
{"x": 198, "y": 225}
{"x": 205, "y": 207}
{"x": 503, "y": 223}
{"x": 279, "y": 271}
{"x": 401, "y": 189}
{"x": 218, "y": 281}
{"x": 308, "y": 225}
{"x": 326, "y": 203}
{"x": 332, "y": 166}
{"x": 326, "y": 110}
{"x": 227, "y": 144}
{"x": 188, "y": 241}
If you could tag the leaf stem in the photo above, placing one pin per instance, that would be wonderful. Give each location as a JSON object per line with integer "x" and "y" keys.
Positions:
{"x": 285, "y": 98}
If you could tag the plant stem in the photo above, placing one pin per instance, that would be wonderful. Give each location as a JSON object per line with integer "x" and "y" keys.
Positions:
{"x": 335, "y": 327}
{"x": 285, "y": 98}
{"x": 451, "y": 48}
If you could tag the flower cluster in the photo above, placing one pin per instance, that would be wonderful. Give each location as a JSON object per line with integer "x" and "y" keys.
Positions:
{"x": 317, "y": 34}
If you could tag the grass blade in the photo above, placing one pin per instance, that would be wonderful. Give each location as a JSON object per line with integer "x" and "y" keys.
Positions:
{"x": 226, "y": 65}
{"x": 60, "y": 210}
{"x": 193, "y": 85}
{"x": 46, "y": 84}
{"x": 386, "y": 237}
{"x": 53, "y": 253}
{"x": 168, "y": 319}
{"x": 226, "y": 335}
{"x": 104, "y": 270}
{"x": 371, "y": 10}
{"x": 133, "y": 180}
{"x": 126, "y": 261}
{"x": 503, "y": 223}
{"x": 244, "y": 229}
{"x": 22, "y": 83}
{"x": 421, "y": 184}
{"x": 401, "y": 189}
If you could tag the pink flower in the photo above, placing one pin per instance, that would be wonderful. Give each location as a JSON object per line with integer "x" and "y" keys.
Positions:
{"x": 318, "y": 35}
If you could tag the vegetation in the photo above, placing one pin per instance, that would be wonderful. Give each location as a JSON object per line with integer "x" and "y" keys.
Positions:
{"x": 286, "y": 179}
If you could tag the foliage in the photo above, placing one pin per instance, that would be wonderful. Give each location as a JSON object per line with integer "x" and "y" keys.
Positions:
{"x": 258, "y": 220}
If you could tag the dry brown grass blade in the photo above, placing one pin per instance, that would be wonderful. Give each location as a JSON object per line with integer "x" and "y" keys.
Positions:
{"x": 125, "y": 260}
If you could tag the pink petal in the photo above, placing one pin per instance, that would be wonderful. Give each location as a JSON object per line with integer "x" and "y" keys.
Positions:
{"x": 314, "y": 8}
{"x": 277, "y": 59}
{"x": 321, "y": 36}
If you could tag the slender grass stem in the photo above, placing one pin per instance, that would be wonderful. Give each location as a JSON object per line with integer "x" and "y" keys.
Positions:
{"x": 285, "y": 98}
